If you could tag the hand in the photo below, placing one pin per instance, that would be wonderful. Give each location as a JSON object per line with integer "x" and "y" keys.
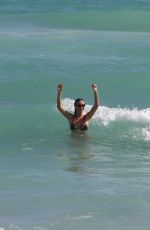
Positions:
{"x": 94, "y": 87}
{"x": 60, "y": 87}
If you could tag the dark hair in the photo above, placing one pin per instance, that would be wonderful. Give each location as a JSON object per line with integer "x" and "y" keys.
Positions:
{"x": 77, "y": 100}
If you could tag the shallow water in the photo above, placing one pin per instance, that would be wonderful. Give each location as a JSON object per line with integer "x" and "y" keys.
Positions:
{"x": 50, "y": 177}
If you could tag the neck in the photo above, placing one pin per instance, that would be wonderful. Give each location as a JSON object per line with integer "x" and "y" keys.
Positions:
{"x": 79, "y": 115}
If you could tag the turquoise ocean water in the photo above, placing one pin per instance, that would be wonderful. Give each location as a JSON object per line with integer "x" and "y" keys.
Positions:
{"x": 51, "y": 178}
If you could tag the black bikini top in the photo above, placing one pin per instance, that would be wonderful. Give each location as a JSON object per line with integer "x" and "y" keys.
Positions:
{"x": 82, "y": 126}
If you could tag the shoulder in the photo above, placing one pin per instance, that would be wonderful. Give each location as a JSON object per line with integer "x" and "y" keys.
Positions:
{"x": 66, "y": 114}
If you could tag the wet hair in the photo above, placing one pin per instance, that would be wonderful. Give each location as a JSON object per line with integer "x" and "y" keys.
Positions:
{"x": 77, "y": 100}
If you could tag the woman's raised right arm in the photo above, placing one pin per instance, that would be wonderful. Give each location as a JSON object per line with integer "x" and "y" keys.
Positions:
{"x": 60, "y": 105}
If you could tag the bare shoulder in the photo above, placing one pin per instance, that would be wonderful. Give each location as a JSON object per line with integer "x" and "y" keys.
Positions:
{"x": 66, "y": 114}
{"x": 90, "y": 114}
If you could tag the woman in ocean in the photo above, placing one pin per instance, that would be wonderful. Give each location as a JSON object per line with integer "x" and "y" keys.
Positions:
{"x": 79, "y": 120}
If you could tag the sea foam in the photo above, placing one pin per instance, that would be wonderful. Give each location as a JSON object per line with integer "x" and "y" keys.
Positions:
{"x": 106, "y": 115}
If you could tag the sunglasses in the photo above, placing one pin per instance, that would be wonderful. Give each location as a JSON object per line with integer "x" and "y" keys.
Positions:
{"x": 79, "y": 105}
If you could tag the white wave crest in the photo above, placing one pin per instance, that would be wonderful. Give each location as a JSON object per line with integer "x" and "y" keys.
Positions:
{"x": 106, "y": 115}
{"x": 146, "y": 134}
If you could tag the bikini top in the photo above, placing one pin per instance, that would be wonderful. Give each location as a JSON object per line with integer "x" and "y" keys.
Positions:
{"x": 79, "y": 124}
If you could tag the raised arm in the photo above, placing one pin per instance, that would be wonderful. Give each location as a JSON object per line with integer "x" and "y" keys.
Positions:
{"x": 60, "y": 105}
{"x": 90, "y": 114}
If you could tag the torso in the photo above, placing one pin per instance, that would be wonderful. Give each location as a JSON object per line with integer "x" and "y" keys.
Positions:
{"x": 79, "y": 123}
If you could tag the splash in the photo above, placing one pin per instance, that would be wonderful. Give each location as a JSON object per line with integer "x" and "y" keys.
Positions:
{"x": 121, "y": 123}
{"x": 106, "y": 115}
{"x": 146, "y": 133}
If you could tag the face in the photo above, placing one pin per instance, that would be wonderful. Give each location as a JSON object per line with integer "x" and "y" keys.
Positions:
{"x": 80, "y": 105}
